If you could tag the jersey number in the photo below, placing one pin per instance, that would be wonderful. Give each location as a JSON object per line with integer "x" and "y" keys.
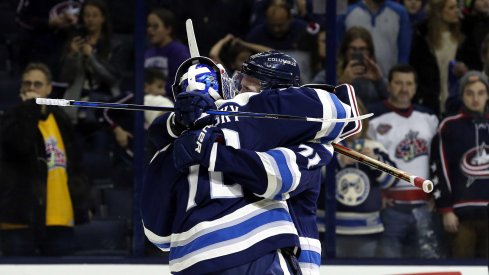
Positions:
{"x": 217, "y": 187}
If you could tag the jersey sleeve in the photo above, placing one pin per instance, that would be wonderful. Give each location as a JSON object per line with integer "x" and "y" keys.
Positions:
{"x": 160, "y": 131}
{"x": 158, "y": 203}
{"x": 296, "y": 101}
{"x": 273, "y": 173}
{"x": 440, "y": 170}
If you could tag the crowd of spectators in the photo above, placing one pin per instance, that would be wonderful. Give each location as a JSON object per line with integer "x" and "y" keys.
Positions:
{"x": 421, "y": 66}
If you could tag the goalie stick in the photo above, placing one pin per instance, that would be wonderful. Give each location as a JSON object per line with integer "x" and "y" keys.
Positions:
{"x": 136, "y": 107}
{"x": 419, "y": 182}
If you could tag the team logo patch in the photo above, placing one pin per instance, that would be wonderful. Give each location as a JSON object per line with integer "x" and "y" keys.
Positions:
{"x": 383, "y": 129}
{"x": 475, "y": 162}
{"x": 54, "y": 155}
{"x": 352, "y": 186}
{"x": 411, "y": 147}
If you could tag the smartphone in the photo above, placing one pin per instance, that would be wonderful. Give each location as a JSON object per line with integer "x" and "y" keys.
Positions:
{"x": 80, "y": 31}
{"x": 358, "y": 56}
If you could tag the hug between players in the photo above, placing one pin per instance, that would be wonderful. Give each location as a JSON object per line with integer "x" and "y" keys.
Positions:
{"x": 67, "y": 176}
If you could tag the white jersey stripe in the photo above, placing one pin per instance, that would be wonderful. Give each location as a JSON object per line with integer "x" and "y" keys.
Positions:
{"x": 244, "y": 242}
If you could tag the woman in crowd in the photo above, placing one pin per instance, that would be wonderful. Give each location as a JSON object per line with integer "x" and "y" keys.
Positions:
{"x": 89, "y": 65}
{"x": 435, "y": 43}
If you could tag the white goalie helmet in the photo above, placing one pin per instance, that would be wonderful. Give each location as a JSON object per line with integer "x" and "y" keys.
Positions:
{"x": 203, "y": 75}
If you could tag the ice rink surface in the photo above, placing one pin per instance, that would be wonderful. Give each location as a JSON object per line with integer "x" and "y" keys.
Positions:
{"x": 140, "y": 269}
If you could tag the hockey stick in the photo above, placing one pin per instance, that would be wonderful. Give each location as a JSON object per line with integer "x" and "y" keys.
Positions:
{"x": 419, "y": 182}
{"x": 136, "y": 107}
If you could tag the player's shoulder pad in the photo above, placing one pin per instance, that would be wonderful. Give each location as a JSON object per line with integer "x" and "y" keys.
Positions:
{"x": 326, "y": 87}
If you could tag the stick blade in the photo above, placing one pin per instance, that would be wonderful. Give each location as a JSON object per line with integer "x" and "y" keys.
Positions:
{"x": 192, "y": 42}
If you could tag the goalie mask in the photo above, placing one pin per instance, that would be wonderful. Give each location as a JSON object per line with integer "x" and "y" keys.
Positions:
{"x": 267, "y": 70}
{"x": 203, "y": 75}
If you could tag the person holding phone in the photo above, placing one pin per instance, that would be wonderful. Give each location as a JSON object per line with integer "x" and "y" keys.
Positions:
{"x": 357, "y": 66}
{"x": 91, "y": 64}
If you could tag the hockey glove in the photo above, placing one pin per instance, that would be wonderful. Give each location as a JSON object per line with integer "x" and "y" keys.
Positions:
{"x": 190, "y": 108}
{"x": 194, "y": 146}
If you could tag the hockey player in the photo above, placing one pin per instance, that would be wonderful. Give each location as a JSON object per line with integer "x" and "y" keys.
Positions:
{"x": 212, "y": 224}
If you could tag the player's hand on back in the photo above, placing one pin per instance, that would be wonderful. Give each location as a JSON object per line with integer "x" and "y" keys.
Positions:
{"x": 190, "y": 108}
{"x": 194, "y": 146}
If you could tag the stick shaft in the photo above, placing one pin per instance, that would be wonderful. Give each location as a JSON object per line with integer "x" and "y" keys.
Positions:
{"x": 370, "y": 161}
{"x": 135, "y": 107}
{"x": 91, "y": 104}
{"x": 282, "y": 116}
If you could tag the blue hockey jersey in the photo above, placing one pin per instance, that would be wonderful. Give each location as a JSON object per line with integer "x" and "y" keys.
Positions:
{"x": 462, "y": 165}
{"x": 207, "y": 220}
{"x": 292, "y": 174}
{"x": 358, "y": 191}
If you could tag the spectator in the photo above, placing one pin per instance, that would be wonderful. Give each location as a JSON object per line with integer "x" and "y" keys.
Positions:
{"x": 357, "y": 66}
{"x": 90, "y": 63}
{"x": 232, "y": 51}
{"x": 212, "y": 20}
{"x": 435, "y": 43}
{"x": 165, "y": 52}
{"x": 406, "y": 131}
{"x": 299, "y": 8}
{"x": 121, "y": 123}
{"x": 415, "y": 9}
{"x": 454, "y": 102}
{"x": 281, "y": 31}
{"x": 388, "y": 22}
{"x": 42, "y": 192}
{"x": 461, "y": 194}
{"x": 43, "y": 28}
{"x": 155, "y": 93}
{"x": 318, "y": 58}
{"x": 358, "y": 197}
{"x": 475, "y": 26}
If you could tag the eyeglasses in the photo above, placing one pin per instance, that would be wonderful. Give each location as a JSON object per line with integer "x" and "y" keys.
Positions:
{"x": 27, "y": 84}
